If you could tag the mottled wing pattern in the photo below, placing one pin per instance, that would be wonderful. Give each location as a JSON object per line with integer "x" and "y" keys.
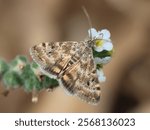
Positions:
{"x": 54, "y": 57}
{"x": 81, "y": 78}
{"x": 72, "y": 63}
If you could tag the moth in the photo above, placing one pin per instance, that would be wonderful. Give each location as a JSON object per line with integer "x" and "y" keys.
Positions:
{"x": 72, "y": 63}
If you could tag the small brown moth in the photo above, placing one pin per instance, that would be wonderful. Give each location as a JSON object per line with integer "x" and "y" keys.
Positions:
{"x": 72, "y": 63}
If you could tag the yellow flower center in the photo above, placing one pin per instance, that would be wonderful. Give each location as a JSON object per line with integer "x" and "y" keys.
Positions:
{"x": 99, "y": 43}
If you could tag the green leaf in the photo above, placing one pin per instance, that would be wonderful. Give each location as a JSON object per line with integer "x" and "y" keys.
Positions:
{"x": 14, "y": 62}
{"x": 34, "y": 65}
{"x": 22, "y": 58}
{"x": 49, "y": 83}
{"x": 3, "y": 67}
{"x": 32, "y": 83}
{"x": 19, "y": 59}
{"x": 30, "y": 80}
{"x": 99, "y": 66}
{"x": 12, "y": 80}
{"x": 102, "y": 54}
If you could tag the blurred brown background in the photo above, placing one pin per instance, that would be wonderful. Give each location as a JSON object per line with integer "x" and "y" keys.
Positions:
{"x": 24, "y": 23}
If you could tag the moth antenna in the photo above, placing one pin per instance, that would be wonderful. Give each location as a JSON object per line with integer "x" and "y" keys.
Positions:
{"x": 88, "y": 18}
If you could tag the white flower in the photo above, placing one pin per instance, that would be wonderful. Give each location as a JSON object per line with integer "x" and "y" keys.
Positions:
{"x": 104, "y": 60}
{"x": 102, "y": 39}
{"x": 101, "y": 76}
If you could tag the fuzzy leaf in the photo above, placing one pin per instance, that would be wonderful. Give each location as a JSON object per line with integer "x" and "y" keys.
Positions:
{"x": 12, "y": 80}
{"x": 3, "y": 67}
{"x": 30, "y": 79}
{"x": 49, "y": 83}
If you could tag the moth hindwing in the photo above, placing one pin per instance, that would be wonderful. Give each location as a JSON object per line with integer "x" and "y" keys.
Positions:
{"x": 72, "y": 64}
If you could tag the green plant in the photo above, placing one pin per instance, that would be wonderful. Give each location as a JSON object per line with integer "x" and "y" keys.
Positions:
{"x": 22, "y": 73}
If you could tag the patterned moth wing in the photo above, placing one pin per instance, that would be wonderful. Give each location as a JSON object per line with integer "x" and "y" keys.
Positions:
{"x": 72, "y": 63}
{"x": 82, "y": 78}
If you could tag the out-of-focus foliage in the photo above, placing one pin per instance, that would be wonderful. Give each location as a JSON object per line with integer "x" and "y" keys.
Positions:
{"x": 19, "y": 73}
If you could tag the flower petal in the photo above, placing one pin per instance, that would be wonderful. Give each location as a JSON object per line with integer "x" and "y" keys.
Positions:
{"x": 104, "y": 60}
{"x": 97, "y": 60}
{"x": 101, "y": 79}
{"x": 108, "y": 46}
{"x": 92, "y": 32}
{"x": 101, "y": 76}
{"x": 106, "y": 34}
{"x": 99, "y": 72}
